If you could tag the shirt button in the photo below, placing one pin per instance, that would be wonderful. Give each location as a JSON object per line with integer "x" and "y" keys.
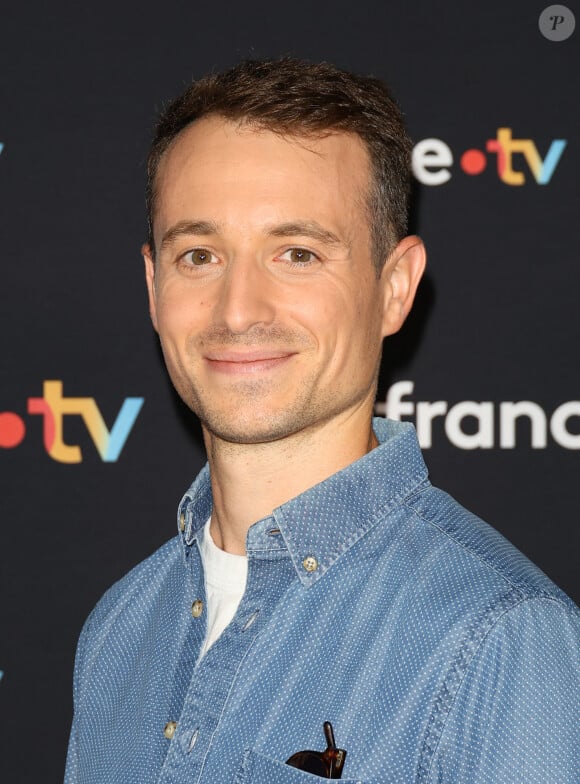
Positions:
{"x": 310, "y": 563}
{"x": 182, "y": 522}
{"x": 169, "y": 729}
{"x": 197, "y": 608}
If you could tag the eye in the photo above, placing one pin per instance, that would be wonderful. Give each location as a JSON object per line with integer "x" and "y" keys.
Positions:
{"x": 198, "y": 257}
{"x": 299, "y": 257}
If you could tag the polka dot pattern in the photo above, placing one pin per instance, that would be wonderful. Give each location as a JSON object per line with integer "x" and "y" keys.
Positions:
{"x": 437, "y": 651}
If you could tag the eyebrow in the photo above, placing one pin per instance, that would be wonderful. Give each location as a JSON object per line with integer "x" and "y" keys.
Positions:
{"x": 188, "y": 228}
{"x": 310, "y": 229}
{"x": 305, "y": 228}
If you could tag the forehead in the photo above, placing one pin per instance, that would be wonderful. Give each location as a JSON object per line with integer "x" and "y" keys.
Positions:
{"x": 214, "y": 162}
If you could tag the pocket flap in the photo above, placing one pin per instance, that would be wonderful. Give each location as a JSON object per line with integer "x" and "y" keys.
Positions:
{"x": 257, "y": 769}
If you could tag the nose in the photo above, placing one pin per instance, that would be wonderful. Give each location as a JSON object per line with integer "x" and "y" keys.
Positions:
{"x": 246, "y": 298}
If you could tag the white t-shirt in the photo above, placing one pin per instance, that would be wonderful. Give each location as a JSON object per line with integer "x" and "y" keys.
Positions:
{"x": 225, "y": 583}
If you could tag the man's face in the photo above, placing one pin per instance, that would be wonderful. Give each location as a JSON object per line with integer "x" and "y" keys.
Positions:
{"x": 263, "y": 290}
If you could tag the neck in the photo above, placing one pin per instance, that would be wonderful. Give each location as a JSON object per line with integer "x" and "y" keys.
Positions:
{"x": 250, "y": 480}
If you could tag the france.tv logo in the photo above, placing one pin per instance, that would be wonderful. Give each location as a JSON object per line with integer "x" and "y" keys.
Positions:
{"x": 53, "y": 407}
{"x": 433, "y": 158}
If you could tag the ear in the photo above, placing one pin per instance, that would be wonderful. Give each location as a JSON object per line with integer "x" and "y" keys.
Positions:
{"x": 401, "y": 275}
{"x": 150, "y": 280}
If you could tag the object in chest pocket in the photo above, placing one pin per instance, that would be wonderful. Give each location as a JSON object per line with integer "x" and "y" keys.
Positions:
{"x": 327, "y": 764}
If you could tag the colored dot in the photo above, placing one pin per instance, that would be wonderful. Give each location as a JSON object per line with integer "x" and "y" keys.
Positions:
{"x": 473, "y": 161}
{"x": 12, "y": 430}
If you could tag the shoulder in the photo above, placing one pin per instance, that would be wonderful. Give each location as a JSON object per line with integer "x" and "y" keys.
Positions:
{"x": 133, "y": 594}
{"x": 510, "y": 681}
{"x": 481, "y": 557}
{"x": 477, "y": 594}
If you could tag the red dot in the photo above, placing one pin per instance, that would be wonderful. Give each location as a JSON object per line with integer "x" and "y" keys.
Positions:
{"x": 473, "y": 161}
{"x": 12, "y": 430}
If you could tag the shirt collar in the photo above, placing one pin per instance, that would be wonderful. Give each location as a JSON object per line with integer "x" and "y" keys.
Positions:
{"x": 322, "y": 523}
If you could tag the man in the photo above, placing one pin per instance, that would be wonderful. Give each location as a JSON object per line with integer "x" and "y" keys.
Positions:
{"x": 317, "y": 579}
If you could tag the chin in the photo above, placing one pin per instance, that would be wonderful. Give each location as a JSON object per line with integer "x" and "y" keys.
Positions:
{"x": 246, "y": 424}
{"x": 247, "y": 430}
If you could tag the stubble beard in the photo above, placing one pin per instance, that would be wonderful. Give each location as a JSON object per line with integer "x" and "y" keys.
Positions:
{"x": 252, "y": 413}
{"x": 260, "y": 411}
{"x": 249, "y": 411}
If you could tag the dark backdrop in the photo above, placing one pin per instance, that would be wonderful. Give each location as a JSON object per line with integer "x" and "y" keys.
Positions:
{"x": 496, "y": 319}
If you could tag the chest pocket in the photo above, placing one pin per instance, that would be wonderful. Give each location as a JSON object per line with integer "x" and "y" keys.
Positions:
{"x": 257, "y": 769}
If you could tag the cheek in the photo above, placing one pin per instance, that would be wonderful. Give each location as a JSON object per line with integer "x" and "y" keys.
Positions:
{"x": 179, "y": 311}
{"x": 322, "y": 319}
{"x": 343, "y": 317}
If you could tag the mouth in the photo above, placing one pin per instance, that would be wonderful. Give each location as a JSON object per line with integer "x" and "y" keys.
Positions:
{"x": 247, "y": 362}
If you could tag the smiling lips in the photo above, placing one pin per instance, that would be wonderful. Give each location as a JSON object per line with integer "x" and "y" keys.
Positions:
{"x": 247, "y": 362}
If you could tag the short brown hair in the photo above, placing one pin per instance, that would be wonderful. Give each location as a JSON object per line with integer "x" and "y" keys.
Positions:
{"x": 298, "y": 98}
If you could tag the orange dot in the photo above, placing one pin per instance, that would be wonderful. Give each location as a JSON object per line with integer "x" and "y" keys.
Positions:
{"x": 473, "y": 161}
{"x": 12, "y": 430}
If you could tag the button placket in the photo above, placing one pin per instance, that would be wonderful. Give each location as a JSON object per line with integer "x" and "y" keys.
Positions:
{"x": 213, "y": 679}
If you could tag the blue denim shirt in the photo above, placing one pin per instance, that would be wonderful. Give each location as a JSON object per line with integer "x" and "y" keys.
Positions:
{"x": 437, "y": 651}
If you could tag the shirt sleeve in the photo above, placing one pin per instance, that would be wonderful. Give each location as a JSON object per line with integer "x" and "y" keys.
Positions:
{"x": 71, "y": 775}
{"x": 515, "y": 718}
